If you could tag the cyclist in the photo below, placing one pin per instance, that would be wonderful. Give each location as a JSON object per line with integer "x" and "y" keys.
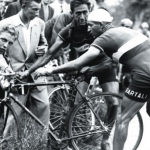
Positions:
{"x": 132, "y": 50}
{"x": 78, "y": 35}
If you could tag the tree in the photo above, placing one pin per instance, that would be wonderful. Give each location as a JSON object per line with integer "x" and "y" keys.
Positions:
{"x": 136, "y": 10}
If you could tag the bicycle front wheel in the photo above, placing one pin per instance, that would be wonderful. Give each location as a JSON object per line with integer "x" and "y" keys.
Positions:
{"x": 83, "y": 121}
{"x": 58, "y": 105}
{"x": 9, "y": 134}
{"x": 85, "y": 127}
{"x": 135, "y": 133}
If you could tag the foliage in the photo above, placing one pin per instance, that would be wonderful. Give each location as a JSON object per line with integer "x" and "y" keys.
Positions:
{"x": 32, "y": 137}
{"x": 136, "y": 10}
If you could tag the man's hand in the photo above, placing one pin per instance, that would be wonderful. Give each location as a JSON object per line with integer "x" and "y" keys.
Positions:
{"x": 8, "y": 70}
{"x": 22, "y": 75}
{"x": 43, "y": 72}
{"x": 41, "y": 50}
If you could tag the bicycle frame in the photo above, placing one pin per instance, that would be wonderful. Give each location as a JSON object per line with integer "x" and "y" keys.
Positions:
{"x": 74, "y": 85}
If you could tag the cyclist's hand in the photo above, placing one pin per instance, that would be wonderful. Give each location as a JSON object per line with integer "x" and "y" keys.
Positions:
{"x": 22, "y": 75}
{"x": 43, "y": 72}
{"x": 8, "y": 70}
{"x": 84, "y": 69}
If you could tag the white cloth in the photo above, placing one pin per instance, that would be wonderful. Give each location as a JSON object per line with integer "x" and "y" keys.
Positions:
{"x": 57, "y": 8}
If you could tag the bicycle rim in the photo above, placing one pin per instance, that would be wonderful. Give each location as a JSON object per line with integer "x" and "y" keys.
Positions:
{"x": 58, "y": 105}
{"x": 135, "y": 133}
{"x": 9, "y": 136}
{"x": 84, "y": 121}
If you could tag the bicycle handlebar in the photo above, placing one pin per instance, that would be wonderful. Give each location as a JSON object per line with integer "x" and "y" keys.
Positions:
{"x": 7, "y": 74}
{"x": 42, "y": 83}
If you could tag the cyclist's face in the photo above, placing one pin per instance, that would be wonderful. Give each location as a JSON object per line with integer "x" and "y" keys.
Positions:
{"x": 81, "y": 14}
{"x": 96, "y": 29}
{"x": 32, "y": 10}
{"x": 6, "y": 40}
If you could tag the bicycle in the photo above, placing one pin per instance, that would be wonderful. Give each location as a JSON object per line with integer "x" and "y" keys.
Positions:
{"x": 82, "y": 130}
{"x": 58, "y": 103}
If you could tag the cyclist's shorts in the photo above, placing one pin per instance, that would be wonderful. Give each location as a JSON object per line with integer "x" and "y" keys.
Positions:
{"x": 109, "y": 76}
{"x": 139, "y": 88}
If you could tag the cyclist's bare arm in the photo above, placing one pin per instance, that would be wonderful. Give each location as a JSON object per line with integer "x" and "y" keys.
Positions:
{"x": 78, "y": 63}
{"x": 48, "y": 55}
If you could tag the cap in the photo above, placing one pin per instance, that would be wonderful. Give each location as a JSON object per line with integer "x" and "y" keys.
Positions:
{"x": 100, "y": 15}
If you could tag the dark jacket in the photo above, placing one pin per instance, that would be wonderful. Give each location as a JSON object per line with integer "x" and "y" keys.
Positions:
{"x": 41, "y": 13}
{"x": 13, "y": 9}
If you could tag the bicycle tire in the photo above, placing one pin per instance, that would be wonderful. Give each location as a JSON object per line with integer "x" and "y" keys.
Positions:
{"x": 84, "y": 125}
{"x": 58, "y": 105}
{"x": 76, "y": 142}
{"x": 138, "y": 118}
{"x": 13, "y": 134}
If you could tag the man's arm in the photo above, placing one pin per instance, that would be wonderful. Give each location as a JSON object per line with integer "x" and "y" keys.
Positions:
{"x": 78, "y": 63}
{"x": 48, "y": 55}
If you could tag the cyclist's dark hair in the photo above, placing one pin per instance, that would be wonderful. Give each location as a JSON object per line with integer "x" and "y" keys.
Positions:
{"x": 11, "y": 30}
{"x": 27, "y": 2}
{"x": 76, "y": 3}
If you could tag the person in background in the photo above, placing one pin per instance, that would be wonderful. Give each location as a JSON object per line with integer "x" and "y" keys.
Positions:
{"x": 46, "y": 11}
{"x": 30, "y": 45}
{"x": 144, "y": 29}
{"x": 2, "y": 11}
{"x": 126, "y": 22}
{"x": 6, "y": 3}
{"x": 13, "y": 9}
{"x": 60, "y": 6}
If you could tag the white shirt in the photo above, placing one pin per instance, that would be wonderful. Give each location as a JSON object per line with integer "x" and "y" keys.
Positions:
{"x": 26, "y": 31}
{"x": 57, "y": 8}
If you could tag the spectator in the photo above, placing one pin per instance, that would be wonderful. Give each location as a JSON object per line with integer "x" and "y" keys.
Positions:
{"x": 60, "y": 6}
{"x": 10, "y": 35}
{"x": 1, "y": 9}
{"x": 24, "y": 52}
{"x": 144, "y": 28}
{"x": 46, "y": 12}
{"x": 13, "y": 9}
{"x": 6, "y": 3}
{"x": 126, "y": 23}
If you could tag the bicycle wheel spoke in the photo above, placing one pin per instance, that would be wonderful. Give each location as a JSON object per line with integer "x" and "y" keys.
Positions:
{"x": 57, "y": 106}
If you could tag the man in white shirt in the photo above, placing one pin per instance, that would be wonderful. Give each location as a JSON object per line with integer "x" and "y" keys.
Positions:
{"x": 30, "y": 44}
{"x": 60, "y": 6}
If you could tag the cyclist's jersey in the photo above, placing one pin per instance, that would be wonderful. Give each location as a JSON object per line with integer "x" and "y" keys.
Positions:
{"x": 80, "y": 40}
{"x": 133, "y": 50}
